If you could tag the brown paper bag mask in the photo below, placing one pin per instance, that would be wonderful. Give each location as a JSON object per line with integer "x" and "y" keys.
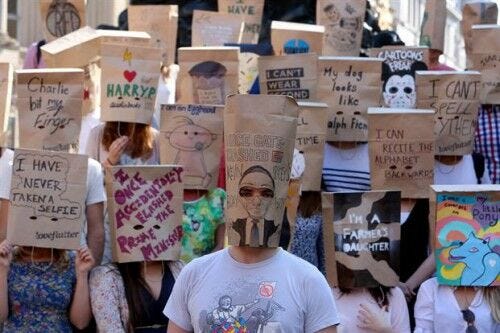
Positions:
{"x": 310, "y": 141}
{"x": 248, "y": 11}
{"x": 433, "y": 25}
{"x": 215, "y": 29}
{"x": 5, "y": 97}
{"x": 398, "y": 73}
{"x": 291, "y": 38}
{"x": 48, "y": 192}
{"x": 361, "y": 232}
{"x": 292, "y": 75}
{"x": 145, "y": 210}
{"x": 60, "y": 17}
{"x": 207, "y": 74}
{"x": 349, "y": 85}
{"x": 49, "y": 102}
{"x": 455, "y": 98}
{"x": 401, "y": 144}
{"x": 259, "y": 137}
{"x": 191, "y": 136}
{"x": 485, "y": 46}
{"x": 160, "y": 21}
{"x": 343, "y": 22}
{"x": 129, "y": 83}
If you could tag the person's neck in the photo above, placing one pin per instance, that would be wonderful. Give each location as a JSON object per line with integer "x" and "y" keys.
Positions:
{"x": 251, "y": 255}
{"x": 344, "y": 144}
{"x": 448, "y": 160}
{"x": 152, "y": 269}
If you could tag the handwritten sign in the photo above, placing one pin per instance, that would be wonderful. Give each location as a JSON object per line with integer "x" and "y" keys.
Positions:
{"x": 362, "y": 234}
{"x": 467, "y": 240}
{"x": 486, "y": 59}
{"x": 145, "y": 210}
{"x": 60, "y": 17}
{"x": 343, "y": 21}
{"x": 349, "y": 86}
{"x": 401, "y": 145}
{"x": 50, "y": 108}
{"x": 215, "y": 29}
{"x": 5, "y": 96}
{"x": 48, "y": 192}
{"x": 191, "y": 136}
{"x": 248, "y": 11}
{"x": 291, "y": 38}
{"x": 259, "y": 152}
{"x": 455, "y": 98}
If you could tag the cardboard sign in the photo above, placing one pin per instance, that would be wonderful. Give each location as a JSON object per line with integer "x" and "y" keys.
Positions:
{"x": 259, "y": 153}
{"x": 207, "y": 74}
{"x": 486, "y": 46}
{"x": 343, "y": 22}
{"x": 401, "y": 144}
{"x": 467, "y": 248}
{"x": 310, "y": 141}
{"x": 160, "y": 21}
{"x": 250, "y": 12}
{"x": 361, "y": 232}
{"x": 145, "y": 211}
{"x": 293, "y": 75}
{"x": 480, "y": 12}
{"x": 433, "y": 25}
{"x": 5, "y": 97}
{"x": 49, "y": 103}
{"x": 60, "y": 17}
{"x": 191, "y": 136}
{"x": 47, "y": 206}
{"x": 398, "y": 73}
{"x": 129, "y": 82}
{"x": 455, "y": 98}
{"x": 349, "y": 86}
{"x": 291, "y": 38}
{"x": 215, "y": 29}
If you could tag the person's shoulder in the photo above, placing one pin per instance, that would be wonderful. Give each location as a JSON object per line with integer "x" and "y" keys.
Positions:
{"x": 430, "y": 284}
{"x": 94, "y": 165}
{"x": 397, "y": 295}
{"x": 299, "y": 266}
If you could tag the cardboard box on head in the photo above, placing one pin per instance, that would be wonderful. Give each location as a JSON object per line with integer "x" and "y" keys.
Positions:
{"x": 398, "y": 73}
{"x": 60, "y": 17}
{"x": 5, "y": 98}
{"x": 343, "y": 22}
{"x": 401, "y": 146}
{"x": 215, "y": 29}
{"x": 455, "y": 98}
{"x": 248, "y": 11}
{"x": 49, "y": 104}
{"x": 291, "y": 38}
{"x": 361, "y": 232}
{"x": 191, "y": 136}
{"x": 207, "y": 74}
{"x": 349, "y": 85}
{"x": 433, "y": 25}
{"x": 145, "y": 210}
{"x": 47, "y": 207}
{"x": 464, "y": 223}
{"x": 259, "y": 137}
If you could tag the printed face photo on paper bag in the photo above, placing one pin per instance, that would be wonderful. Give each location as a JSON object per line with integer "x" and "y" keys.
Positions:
{"x": 208, "y": 82}
{"x": 342, "y": 32}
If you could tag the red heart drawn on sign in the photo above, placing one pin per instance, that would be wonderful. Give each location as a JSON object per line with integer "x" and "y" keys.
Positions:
{"x": 129, "y": 75}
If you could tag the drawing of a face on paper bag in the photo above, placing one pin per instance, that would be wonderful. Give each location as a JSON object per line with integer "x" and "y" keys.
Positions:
{"x": 255, "y": 194}
{"x": 208, "y": 82}
{"x": 191, "y": 140}
{"x": 343, "y": 31}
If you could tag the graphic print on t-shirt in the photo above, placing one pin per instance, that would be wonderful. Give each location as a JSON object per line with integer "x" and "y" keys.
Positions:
{"x": 252, "y": 310}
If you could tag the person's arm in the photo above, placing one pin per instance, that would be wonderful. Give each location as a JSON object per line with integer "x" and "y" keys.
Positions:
{"x": 173, "y": 328}
{"x": 80, "y": 311}
{"x": 220, "y": 232}
{"x": 5, "y": 259}
{"x": 423, "y": 272}
{"x": 320, "y": 310}
{"x": 4, "y": 213}
{"x": 95, "y": 229}
{"x": 400, "y": 318}
{"x": 424, "y": 309}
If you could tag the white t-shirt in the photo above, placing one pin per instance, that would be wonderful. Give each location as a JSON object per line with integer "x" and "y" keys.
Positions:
{"x": 346, "y": 169}
{"x": 348, "y": 306}
{"x": 437, "y": 310}
{"x": 89, "y": 121}
{"x": 456, "y": 174}
{"x": 281, "y": 294}
{"x": 5, "y": 173}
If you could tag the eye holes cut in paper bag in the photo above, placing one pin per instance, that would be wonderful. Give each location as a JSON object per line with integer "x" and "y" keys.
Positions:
{"x": 60, "y": 17}
{"x": 343, "y": 22}
{"x": 145, "y": 210}
{"x": 129, "y": 82}
{"x": 191, "y": 136}
{"x": 291, "y": 38}
{"x": 215, "y": 29}
{"x": 259, "y": 138}
{"x": 6, "y": 78}
{"x": 349, "y": 85}
{"x": 454, "y": 96}
{"x": 464, "y": 223}
{"x": 361, "y": 233}
{"x": 49, "y": 104}
{"x": 248, "y": 11}
{"x": 207, "y": 74}
{"x": 401, "y": 146}
{"x": 48, "y": 192}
